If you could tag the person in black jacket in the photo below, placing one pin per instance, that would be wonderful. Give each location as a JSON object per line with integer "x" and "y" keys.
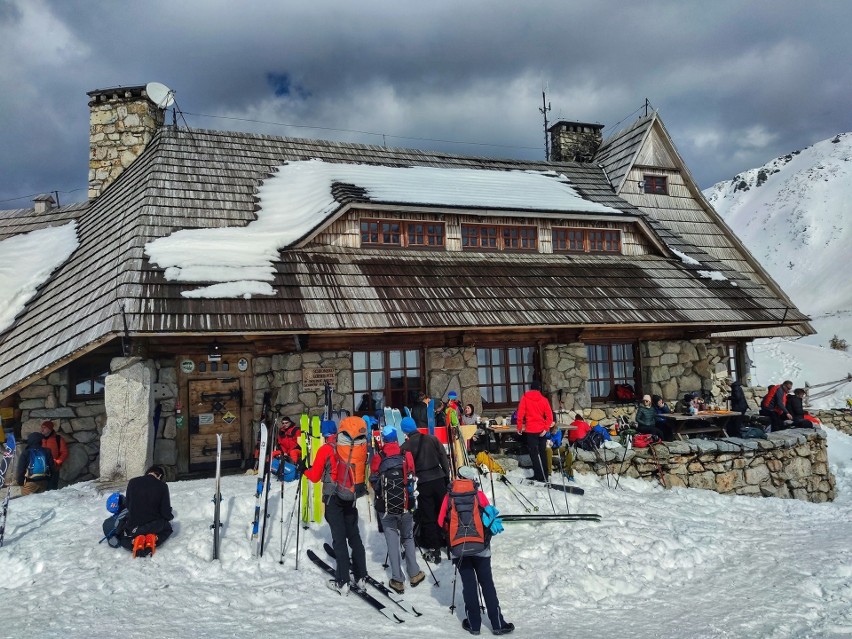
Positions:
{"x": 420, "y": 411}
{"x": 149, "y": 506}
{"x": 738, "y": 405}
{"x": 796, "y": 406}
{"x": 433, "y": 475}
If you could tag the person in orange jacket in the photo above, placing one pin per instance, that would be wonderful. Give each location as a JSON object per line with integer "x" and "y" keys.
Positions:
{"x": 535, "y": 417}
{"x": 54, "y": 442}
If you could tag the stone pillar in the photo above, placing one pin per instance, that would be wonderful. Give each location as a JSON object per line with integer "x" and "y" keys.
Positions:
{"x": 454, "y": 368}
{"x": 127, "y": 442}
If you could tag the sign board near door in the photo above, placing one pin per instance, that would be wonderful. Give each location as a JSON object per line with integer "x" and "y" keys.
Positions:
{"x": 315, "y": 378}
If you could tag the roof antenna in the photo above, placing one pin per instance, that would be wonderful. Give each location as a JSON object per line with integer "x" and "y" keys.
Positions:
{"x": 543, "y": 109}
{"x": 647, "y": 104}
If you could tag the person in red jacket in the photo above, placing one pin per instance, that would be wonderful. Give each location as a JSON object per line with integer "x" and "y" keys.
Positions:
{"x": 774, "y": 406}
{"x": 535, "y": 417}
{"x": 57, "y": 446}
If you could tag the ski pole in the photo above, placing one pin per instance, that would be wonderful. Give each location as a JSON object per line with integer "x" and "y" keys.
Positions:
{"x": 293, "y": 515}
{"x": 479, "y": 592}
{"x": 627, "y": 445}
{"x": 281, "y": 520}
{"x": 298, "y": 527}
{"x": 519, "y": 495}
{"x": 455, "y": 573}
{"x": 564, "y": 487}
{"x": 512, "y": 492}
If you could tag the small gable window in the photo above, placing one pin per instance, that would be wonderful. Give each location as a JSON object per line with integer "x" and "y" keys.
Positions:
{"x": 495, "y": 237}
{"x": 402, "y": 233}
{"x": 582, "y": 240}
{"x": 655, "y": 184}
{"x": 87, "y": 379}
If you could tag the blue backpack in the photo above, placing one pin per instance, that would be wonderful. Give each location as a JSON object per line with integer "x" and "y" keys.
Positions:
{"x": 38, "y": 467}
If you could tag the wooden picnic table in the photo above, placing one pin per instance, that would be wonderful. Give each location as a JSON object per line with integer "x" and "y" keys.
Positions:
{"x": 705, "y": 421}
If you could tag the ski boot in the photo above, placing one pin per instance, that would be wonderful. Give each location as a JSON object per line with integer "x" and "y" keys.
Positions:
{"x": 151, "y": 543}
{"x": 139, "y": 549}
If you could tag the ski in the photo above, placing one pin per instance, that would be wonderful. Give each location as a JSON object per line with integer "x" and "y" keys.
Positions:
{"x": 571, "y": 490}
{"x": 7, "y": 464}
{"x": 378, "y": 585}
{"x": 267, "y": 481}
{"x": 363, "y": 594}
{"x": 217, "y": 497}
{"x": 557, "y": 517}
{"x": 255, "y": 527}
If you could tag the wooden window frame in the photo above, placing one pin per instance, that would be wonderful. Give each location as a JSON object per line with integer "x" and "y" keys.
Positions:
{"x": 655, "y": 184}
{"x": 511, "y": 385}
{"x": 610, "y": 379}
{"x": 732, "y": 360}
{"x": 92, "y": 371}
{"x": 594, "y": 240}
{"x": 403, "y": 233}
{"x": 381, "y": 362}
{"x": 520, "y": 238}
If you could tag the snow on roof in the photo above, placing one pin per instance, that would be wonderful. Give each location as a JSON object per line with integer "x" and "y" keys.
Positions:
{"x": 26, "y": 261}
{"x": 298, "y": 199}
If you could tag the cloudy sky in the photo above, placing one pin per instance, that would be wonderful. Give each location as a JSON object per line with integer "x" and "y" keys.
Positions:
{"x": 736, "y": 82}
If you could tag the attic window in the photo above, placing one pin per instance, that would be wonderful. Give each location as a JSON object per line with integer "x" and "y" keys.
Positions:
{"x": 87, "y": 379}
{"x": 583, "y": 240}
{"x": 493, "y": 237}
{"x": 655, "y": 184}
{"x": 402, "y": 233}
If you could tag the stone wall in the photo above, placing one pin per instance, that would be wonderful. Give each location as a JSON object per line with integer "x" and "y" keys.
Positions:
{"x": 281, "y": 375}
{"x": 565, "y": 367}
{"x": 80, "y": 423}
{"x": 838, "y": 419}
{"x": 454, "y": 369}
{"x": 673, "y": 368}
{"x": 791, "y": 464}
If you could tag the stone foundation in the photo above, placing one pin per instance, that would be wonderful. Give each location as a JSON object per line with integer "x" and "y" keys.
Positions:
{"x": 791, "y": 464}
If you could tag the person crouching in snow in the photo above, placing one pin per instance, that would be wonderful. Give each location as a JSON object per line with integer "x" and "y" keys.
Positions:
{"x": 392, "y": 475}
{"x": 470, "y": 522}
{"x": 149, "y": 510}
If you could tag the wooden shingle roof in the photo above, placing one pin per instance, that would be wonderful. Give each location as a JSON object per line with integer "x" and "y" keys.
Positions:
{"x": 206, "y": 179}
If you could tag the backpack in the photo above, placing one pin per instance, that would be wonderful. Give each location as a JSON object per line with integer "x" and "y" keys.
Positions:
{"x": 467, "y": 533}
{"x": 770, "y": 393}
{"x": 624, "y": 392}
{"x": 350, "y": 459}
{"x": 752, "y": 432}
{"x": 592, "y": 441}
{"x": 38, "y": 467}
{"x": 394, "y": 485}
{"x": 643, "y": 440}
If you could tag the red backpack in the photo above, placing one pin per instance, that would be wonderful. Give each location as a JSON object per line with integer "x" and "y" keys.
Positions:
{"x": 466, "y": 530}
{"x": 624, "y": 392}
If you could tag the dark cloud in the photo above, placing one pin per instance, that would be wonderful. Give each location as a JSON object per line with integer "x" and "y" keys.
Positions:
{"x": 736, "y": 83}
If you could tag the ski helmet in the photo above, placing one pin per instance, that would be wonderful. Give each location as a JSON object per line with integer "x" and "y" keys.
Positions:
{"x": 113, "y": 503}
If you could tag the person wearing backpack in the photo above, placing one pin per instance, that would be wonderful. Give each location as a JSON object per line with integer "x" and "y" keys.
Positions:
{"x": 341, "y": 466}
{"x": 774, "y": 405}
{"x": 463, "y": 515}
{"x": 35, "y": 466}
{"x": 392, "y": 475}
{"x": 433, "y": 475}
{"x": 535, "y": 417}
{"x": 58, "y": 448}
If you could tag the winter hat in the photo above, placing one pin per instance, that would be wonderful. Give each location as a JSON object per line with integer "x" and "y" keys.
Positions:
{"x": 452, "y": 395}
{"x": 328, "y": 428}
{"x": 47, "y": 423}
{"x": 646, "y": 398}
{"x": 408, "y": 425}
{"x": 389, "y": 434}
{"x": 34, "y": 439}
{"x": 535, "y": 385}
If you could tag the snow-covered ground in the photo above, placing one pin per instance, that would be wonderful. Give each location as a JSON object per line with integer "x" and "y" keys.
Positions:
{"x": 662, "y": 563}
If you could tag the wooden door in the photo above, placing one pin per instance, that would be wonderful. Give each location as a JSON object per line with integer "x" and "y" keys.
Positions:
{"x": 215, "y": 406}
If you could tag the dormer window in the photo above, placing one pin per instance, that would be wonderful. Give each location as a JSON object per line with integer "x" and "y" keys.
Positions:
{"x": 655, "y": 184}
{"x": 583, "y": 240}
{"x": 499, "y": 237}
{"x": 402, "y": 233}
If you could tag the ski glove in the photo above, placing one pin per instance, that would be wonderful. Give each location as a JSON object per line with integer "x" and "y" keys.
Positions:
{"x": 491, "y": 520}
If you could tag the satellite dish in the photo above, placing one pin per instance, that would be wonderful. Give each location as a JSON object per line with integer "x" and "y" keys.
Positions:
{"x": 160, "y": 94}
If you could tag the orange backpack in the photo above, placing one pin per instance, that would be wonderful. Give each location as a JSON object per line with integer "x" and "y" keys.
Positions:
{"x": 350, "y": 459}
{"x": 466, "y": 530}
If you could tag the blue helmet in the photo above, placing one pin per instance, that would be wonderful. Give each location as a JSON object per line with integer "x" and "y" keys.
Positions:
{"x": 328, "y": 428}
{"x": 114, "y": 503}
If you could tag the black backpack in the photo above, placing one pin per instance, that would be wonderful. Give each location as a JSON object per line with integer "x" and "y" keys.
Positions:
{"x": 592, "y": 441}
{"x": 393, "y": 496}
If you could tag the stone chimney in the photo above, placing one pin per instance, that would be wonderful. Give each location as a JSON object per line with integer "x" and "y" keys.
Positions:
{"x": 43, "y": 203}
{"x": 121, "y": 123}
{"x": 574, "y": 141}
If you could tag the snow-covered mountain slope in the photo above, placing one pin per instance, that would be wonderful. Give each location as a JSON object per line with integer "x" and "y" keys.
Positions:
{"x": 795, "y": 216}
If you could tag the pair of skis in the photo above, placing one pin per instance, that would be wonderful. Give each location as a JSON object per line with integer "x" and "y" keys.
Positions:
{"x": 217, "y": 498}
{"x": 365, "y": 596}
{"x": 7, "y": 464}
{"x": 548, "y": 517}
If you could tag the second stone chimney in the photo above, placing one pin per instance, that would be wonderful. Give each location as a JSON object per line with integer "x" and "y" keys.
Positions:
{"x": 574, "y": 141}
{"x": 43, "y": 203}
{"x": 121, "y": 123}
